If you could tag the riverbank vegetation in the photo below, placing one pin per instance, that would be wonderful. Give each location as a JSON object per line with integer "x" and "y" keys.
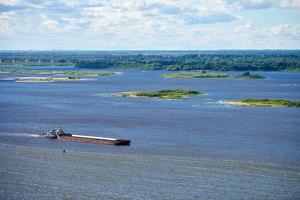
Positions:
{"x": 205, "y": 74}
{"x": 264, "y": 60}
{"x": 195, "y": 62}
{"x": 163, "y": 94}
{"x": 25, "y": 71}
{"x": 65, "y": 72}
{"x": 248, "y": 75}
{"x": 264, "y": 102}
{"x": 293, "y": 70}
{"x": 202, "y": 74}
{"x": 43, "y": 79}
{"x": 47, "y": 79}
{"x": 88, "y": 73}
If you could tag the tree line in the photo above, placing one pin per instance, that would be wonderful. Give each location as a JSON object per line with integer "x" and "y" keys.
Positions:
{"x": 250, "y": 60}
{"x": 196, "y": 62}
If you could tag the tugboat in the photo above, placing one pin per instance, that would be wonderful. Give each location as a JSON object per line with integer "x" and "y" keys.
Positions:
{"x": 55, "y": 133}
{"x": 61, "y": 135}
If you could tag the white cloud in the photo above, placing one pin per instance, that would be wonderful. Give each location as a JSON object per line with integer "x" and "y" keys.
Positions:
{"x": 284, "y": 30}
{"x": 272, "y": 32}
{"x": 7, "y": 25}
{"x": 289, "y": 3}
{"x": 140, "y": 24}
{"x": 51, "y": 25}
{"x": 10, "y": 2}
{"x": 262, "y": 4}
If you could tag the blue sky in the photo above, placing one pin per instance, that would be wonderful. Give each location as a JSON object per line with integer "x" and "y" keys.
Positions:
{"x": 149, "y": 24}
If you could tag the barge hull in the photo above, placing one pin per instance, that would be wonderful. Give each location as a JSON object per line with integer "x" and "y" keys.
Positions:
{"x": 95, "y": 140}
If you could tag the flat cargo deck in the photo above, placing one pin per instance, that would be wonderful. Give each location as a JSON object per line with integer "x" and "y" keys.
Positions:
{"x": 95, "y": 140}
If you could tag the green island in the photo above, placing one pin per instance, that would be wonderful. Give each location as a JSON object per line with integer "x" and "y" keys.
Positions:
{"x": 68, "y": 73}
{"x": 25, "y": 71}
{"x": 264, "y": 102}
{"x": 196, "y": 74}
{"x": 163, "y": 94}
{"x": 44, "y": 79}
{"x": 248, "y": 75}
{"x": 204, "y": 74}
{"x": 89, "y": 73}
{"x": 293, "y": 70}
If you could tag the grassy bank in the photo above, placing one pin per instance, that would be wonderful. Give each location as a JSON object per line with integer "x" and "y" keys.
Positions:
{"x": 88, "y": 73}
{"x": 163, "y": 94}
{"x": 293, "y": 70}
{"x": 264, "y": 102}
{"x": 248, "y": 75}
{"x": 44, "y": 79}
{"x": 204, "y": 74}
{"x": 195, "y": 75}
{"x": 25, "y": 71}
{"x": 67, "y": 73}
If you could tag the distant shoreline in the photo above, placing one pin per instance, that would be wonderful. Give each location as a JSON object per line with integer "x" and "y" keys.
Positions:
{"x": 43, "y": 79}
{"x": 229, "y": 60}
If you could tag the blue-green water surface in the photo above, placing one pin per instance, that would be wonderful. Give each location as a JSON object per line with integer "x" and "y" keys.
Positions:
{"x": 196, "y": 148}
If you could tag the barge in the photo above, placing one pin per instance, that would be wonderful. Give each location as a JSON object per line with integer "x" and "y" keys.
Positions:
{"x": 61, "y": 135}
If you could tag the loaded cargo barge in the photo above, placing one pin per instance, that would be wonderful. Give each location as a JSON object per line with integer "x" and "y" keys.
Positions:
{"x": 61, "y": 135}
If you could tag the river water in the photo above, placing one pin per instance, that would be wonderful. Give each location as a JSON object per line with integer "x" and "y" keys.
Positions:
{"x": 196, "y": 148}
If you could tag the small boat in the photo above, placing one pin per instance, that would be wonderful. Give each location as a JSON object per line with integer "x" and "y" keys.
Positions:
{"x": 55, "y": 133}
{"x": 61, "y": 135}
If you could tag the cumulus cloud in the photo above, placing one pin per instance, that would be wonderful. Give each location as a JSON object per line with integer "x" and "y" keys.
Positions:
{"x": 262, "y": 4}
{"x": 163, "y": 8}
{"x": 289, "y": 3}
{"x": 210, "y": 18}
{"x": 140, "y": 24}
{"x": 6, "y": 24}
{"x": 284, "y": 30}
{"x": 280, "y": 31}
{"x": 10, "y": 2}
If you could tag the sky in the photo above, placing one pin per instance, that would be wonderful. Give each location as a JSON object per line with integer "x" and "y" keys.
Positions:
{"x": 149, "y": 24}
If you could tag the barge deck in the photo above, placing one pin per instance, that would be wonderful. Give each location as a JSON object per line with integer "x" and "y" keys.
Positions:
{"x": 61, "y": 135}
{"x": 95, "y": 140}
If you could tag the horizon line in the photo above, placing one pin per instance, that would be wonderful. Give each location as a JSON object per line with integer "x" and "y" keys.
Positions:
{"x": 150, "y": 50}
